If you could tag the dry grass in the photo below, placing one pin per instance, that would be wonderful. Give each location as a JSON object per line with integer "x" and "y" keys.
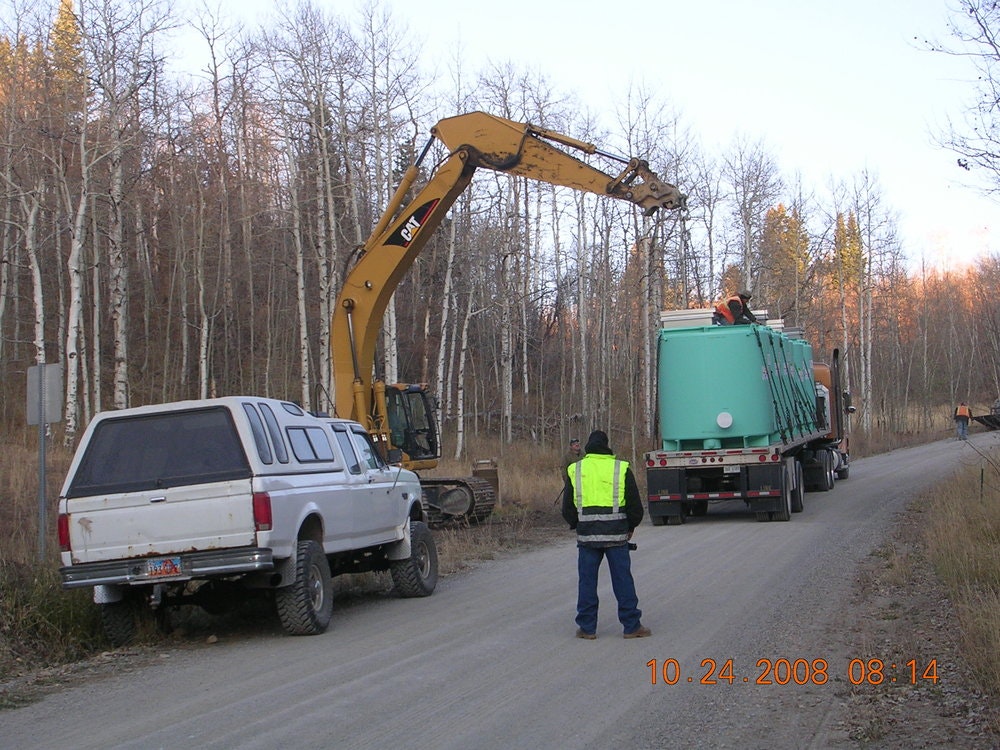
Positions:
{"x": 963, "y": 542}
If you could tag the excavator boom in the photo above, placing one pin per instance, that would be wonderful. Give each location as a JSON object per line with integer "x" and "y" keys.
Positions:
{"x": 474, "y": 141}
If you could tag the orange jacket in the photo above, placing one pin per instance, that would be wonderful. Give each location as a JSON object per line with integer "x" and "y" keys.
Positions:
{"x": 726, "y": 311}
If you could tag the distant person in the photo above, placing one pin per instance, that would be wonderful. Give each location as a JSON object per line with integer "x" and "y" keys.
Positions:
{"x": 996, "y": 407}
{"x": 734, "y": 311}
{"x": 573, "y": 454}
{"x": 962, "y": 416}
{"x": 601, "y": 501}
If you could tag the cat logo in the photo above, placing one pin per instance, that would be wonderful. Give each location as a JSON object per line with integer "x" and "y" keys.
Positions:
{"x": 411, "y": 227}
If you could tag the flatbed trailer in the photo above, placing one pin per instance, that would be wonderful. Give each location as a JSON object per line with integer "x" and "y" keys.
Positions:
{"x": 744, "y": 414}
{"x": 770, "y": 480}
{"x": 989, "y": 421}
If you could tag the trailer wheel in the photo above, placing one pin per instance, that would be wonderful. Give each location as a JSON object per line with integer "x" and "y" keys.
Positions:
{"x": 799, "y": 491}
{"x": 678, "y": 519}
{"x": 785, "y": 514}
{"x": 844, "y": 473}
{"x": 306, "y": 607}
{"x": 417, "y": 575}
{"x": 658, "y": 520}
{"x": 699, "y": 508}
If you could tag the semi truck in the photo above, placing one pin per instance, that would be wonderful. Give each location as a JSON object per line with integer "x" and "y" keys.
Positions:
{"x": 744, "y": 413}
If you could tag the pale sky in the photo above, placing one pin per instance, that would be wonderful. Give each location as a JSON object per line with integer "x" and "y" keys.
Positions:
{"x": 831, "y": 87}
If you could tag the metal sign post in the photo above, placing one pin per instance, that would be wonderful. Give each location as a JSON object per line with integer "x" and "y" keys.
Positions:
{"x": 44, "y": 407}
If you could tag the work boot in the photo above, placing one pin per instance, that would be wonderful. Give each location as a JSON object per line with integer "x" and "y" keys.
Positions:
{"x": 641, "y": 632}
{"x": 585, "y": 635}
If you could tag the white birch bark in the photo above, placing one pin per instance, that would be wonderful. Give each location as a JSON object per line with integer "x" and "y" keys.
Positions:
{"x": 441, "y": 383}
{"x": 74, "y": 317}
{"x": 300, "y": 280}
{"x": 30, "y": 207}
{"x": 463, "y": 351}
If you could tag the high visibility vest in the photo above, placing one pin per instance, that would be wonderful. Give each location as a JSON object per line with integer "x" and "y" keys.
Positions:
{"x": 599, "y": 492}
{"x": 963, "y": 411}
{"x": 724, "y": 310}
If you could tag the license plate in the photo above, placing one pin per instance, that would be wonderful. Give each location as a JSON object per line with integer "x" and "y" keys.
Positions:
{"x": 732, "y": 469}
{"x": 163, "y": 567}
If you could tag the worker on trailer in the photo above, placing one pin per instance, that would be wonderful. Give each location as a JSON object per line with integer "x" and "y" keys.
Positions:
{"x": 734, "y": 311}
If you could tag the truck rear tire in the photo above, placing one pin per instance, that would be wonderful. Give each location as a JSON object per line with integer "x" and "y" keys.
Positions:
{"x": 306, "y": 607}
{"x": 417, "y": 575}
{"x": 827, "y": 479}
{"x": 120, "y": 622}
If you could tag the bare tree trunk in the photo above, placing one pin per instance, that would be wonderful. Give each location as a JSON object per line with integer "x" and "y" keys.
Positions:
{"x": 506, "y": 351}
{"x": 30, "y": 207}
{"x": 581, "y": 362}
{"x": 446, "y": 338}
{"x": 460, "y": 387}
{"x": 300, "y": 278}
{"x": 74, "y": 322}
{"x": 118, "y": 273}
{"x": 95, "y": 395}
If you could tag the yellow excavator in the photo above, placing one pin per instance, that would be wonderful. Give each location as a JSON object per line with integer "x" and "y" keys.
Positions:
{"x": 401, "y": 417}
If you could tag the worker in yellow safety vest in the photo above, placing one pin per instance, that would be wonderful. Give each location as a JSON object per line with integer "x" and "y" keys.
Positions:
{"x": 601, "y": 501}
{"x": 962, "y": 416}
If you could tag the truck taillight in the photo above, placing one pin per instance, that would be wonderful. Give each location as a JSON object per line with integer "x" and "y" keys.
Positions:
{"x": 262, "y": 511}
{"x": 63, "y": 529}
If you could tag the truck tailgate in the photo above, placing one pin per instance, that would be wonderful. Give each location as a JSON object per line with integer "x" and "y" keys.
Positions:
{"x": 147, "y": 523}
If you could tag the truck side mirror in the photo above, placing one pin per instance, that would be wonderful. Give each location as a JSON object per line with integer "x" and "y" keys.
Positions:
{"x": 848, "y": 409}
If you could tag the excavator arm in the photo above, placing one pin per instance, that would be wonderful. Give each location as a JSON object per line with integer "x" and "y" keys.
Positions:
{"x": 474, "y": 140}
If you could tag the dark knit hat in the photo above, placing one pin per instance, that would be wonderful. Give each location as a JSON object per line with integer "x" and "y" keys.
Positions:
{"x": 598, "y": 440}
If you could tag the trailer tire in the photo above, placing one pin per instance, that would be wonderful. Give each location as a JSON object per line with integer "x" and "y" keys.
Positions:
{"x": 799, "y": 491}
{"x": 677, "y": 520}
{"x": 417, "y": 575}
{"x": 699, "y": 508}
{"x": 785, "y": 513}
{"x": 306, "y": 606}
{"x": 658, "y": 520}
{"x": 844, "y": 473}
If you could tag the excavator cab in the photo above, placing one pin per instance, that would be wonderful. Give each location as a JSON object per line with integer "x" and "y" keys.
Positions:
{"x": 412, "y": 427}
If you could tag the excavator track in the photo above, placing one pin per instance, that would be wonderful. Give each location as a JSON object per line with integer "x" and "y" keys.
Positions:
{"x": 457, "y": 500}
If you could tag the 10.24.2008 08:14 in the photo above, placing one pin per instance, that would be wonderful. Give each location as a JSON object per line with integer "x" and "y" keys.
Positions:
{"x": 796, "y": 671}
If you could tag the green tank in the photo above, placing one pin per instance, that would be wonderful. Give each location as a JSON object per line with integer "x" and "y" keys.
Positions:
{"x": 730, "y": 387}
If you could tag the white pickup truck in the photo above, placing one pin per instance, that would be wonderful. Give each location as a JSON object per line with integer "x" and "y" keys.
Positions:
{"x": 200, "y": 501}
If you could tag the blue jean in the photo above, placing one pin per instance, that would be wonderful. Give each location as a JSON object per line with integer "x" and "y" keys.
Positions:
{"x": 963, "y": 428}
{"x": 620, "y": 565}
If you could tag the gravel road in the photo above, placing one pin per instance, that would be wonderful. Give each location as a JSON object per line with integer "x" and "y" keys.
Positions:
{"x": 489, "y": 661}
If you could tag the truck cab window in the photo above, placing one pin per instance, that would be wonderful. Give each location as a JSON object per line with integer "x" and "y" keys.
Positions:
{"x": 350, "y": 455}
{"x": 370, "y": 457}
